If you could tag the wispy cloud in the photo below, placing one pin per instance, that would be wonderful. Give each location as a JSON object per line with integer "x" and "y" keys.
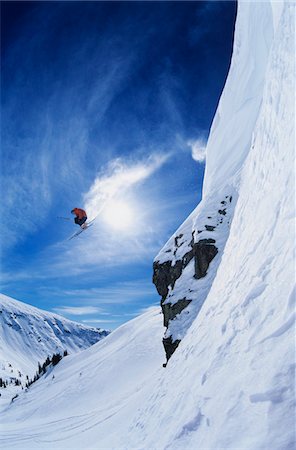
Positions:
{"x": 118, "y": 319}
{"x": 128, "y": 298}
{"x": 110, "y": 246}
{"x": 198, "y": 149}
{"x": 119, "y": 177}
{"x": 78, "y": 310}
{"x": 93, "y": 321}
{"x": 124, "y": 292}
{"x": 47, "y": 151}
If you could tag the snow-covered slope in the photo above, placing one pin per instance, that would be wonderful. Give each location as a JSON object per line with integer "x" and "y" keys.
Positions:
{"x": 236, "y": 362}
{"x": 230, "y": 383}
{"x": 92, "y": 395}
{"x": 29, "y": 335}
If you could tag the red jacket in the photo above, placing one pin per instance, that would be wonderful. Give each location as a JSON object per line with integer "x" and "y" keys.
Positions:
{"x": 80, "y": 213}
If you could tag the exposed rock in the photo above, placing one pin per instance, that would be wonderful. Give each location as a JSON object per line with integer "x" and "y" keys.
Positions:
{"x": 170, "y": 346}
{"x": 204, "y": 252}
{"x": 166, "y": 274}
{"x": 171, "y": 311}
{"x": 222, "y": 211}
{"x": 177, "y": 239}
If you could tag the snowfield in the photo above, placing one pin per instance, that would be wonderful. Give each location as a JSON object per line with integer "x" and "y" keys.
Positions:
{"x": 86, "y": 401}
{"x": 230, "y": 383}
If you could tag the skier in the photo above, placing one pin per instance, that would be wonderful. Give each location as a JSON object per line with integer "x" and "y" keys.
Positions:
{"x": 80, "y": 218}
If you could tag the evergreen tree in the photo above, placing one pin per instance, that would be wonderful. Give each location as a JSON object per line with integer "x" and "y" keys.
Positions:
{"x": 47, "y": 361}
{"x": 56, "y": 359}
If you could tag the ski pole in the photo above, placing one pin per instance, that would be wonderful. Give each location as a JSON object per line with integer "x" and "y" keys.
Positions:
{"x": 63, "y": 218}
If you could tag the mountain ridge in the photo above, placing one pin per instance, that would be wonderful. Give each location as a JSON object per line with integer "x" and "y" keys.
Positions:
{"x": 28, "y": 335}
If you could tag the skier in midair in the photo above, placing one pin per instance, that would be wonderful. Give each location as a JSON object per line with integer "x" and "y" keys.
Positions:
{"x": 81, "y": 217}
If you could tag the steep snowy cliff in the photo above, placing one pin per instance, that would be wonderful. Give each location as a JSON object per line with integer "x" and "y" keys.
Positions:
{"x": 186, "y": 267}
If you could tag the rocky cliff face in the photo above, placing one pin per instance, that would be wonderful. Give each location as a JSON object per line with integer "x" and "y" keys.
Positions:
{"x": 190, "y": 257}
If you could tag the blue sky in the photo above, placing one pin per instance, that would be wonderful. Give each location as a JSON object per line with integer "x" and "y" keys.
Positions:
{"x": 106, "y": 106}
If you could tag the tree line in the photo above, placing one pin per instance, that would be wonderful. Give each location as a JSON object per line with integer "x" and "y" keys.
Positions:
{"x": 42, "y": 369}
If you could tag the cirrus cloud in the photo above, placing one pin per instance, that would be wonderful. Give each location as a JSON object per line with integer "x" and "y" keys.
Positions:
{"x": 198, "y": 149}
{"x": 119, "y": 177}
{"x": 78, "y": 310}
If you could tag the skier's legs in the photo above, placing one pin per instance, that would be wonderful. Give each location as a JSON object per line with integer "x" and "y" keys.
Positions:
{"x": 80, "y": 221}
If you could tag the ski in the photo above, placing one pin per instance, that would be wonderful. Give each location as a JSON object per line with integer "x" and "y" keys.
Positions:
{"x": 77, "y": 233}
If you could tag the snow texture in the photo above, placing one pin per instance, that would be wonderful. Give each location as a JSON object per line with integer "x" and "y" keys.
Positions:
{"x": 230, "y": 383}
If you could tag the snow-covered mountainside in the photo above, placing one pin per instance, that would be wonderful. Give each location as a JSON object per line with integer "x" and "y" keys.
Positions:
{"x": 228, "y": 293}
{"x": 186, "y": 267}
{"x": 88, "y": 398}
{"x": 28, "y": 335}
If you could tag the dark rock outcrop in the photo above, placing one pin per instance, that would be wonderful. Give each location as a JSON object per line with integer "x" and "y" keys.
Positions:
{"x": 204, "y": 252}
{"x": 166, "y": 274}
{"x": 170, "y": 346}
{"x": 222, "y": 211}
{"x": 170, "y": 311}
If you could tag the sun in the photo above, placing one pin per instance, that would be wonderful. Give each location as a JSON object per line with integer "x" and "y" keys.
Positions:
{"x": 119, "y": 215}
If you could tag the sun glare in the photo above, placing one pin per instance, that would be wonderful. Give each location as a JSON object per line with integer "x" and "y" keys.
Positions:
{"x": 119, "y": 215}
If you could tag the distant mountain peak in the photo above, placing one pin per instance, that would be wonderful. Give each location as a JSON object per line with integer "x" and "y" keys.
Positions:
{"x": 29, "y": 335}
